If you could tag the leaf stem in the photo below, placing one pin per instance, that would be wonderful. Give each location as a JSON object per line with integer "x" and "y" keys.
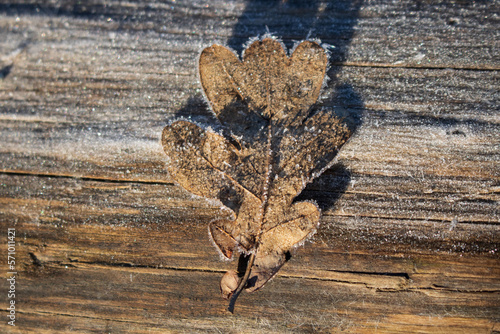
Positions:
{"x": 242, "y": 284}
{"x": 264, "y": 206}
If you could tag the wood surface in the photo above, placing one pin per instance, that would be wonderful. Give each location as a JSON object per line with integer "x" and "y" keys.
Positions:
{"x": 107, "y": 243}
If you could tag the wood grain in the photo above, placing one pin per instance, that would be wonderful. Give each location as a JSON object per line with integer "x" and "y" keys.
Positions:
{"x": 106, "y": 242}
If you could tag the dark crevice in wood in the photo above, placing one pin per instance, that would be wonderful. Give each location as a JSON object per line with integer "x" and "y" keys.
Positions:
{"x": 35, "y": 259}
{"x": 133, "y": 265}
{"x": 200, "y": 270}
{"x": 406, "y": 276}
{"x": 389, "y": 274}
{"x": 84, "y": 178}
{"x": 445, "y": 288}
{"x": 415, "y": 67}
{"x": 4, "y": 72}
{"x": 77, "y": 316}
{"x": 345, "y": 281}
{"x": 430, "y": 220}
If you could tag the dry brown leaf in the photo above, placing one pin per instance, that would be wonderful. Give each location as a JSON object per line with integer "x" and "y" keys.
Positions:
{"x": 276, "y": 144}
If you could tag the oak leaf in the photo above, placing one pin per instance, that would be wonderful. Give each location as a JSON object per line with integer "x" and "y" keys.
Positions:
{"x": 275, "y": 143}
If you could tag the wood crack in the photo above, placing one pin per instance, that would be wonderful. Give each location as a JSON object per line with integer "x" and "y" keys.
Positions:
{"x": 85, "y": 178}
{"x": 417, "y": 67}
{"x": 422, "y": 219}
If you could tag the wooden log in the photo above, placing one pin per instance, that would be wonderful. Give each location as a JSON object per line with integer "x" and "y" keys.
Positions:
{"x": 106, "y": 242}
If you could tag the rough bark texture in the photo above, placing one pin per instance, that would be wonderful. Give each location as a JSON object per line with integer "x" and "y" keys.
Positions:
{"x": 106, "y": 242}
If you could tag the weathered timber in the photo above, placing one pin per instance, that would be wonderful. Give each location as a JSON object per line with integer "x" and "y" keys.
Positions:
{"x": 106, "y": 242}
